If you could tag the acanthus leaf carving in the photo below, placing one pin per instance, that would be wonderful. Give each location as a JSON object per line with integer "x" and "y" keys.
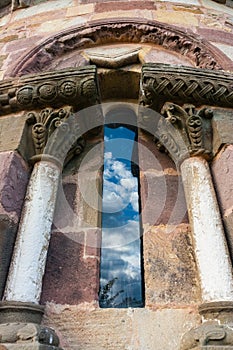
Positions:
{"x": 184, "y": 131}
{"x": 56, "y": 133}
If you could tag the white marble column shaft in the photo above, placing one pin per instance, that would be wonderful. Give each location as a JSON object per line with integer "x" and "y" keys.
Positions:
{"x": 28, "y": 263}
{"x": 211, "y": 250}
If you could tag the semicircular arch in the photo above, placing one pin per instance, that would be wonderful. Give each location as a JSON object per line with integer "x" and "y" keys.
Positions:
{"x": 188, "y": 45}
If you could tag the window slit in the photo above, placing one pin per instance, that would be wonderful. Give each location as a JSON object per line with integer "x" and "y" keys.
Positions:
{"x": 121, "y": 277}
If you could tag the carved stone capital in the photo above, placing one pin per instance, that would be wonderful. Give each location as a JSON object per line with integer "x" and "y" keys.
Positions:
{"x": 56, "y": 134}
{"x": 184, "y": 131}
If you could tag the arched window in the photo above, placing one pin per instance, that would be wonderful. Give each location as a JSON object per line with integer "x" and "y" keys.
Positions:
{"x": 121, "y": 253}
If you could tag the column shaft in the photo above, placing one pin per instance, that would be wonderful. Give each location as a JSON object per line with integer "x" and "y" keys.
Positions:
{"x": 212, "y": 254}
{"x": 27, "y": 268}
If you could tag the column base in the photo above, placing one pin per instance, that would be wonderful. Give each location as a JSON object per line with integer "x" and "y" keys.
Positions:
{"x": 20, "y": 328}
{"x": 16, "y": 311}
{"x": 218, "y": 310}
{"x": 27, "y": 336}
{"x": 216, "y": 331}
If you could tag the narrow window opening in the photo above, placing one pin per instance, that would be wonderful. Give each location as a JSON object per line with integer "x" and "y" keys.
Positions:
{"x": 121, "y": 277}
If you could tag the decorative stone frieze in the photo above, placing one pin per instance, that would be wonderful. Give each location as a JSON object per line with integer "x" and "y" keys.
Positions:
{"x": 122, "y": 30}
{"x": 76, "y": 87}
{"x": 161, "y": 83}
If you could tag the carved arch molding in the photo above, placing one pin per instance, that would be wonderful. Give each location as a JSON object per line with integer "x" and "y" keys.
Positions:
{"x": 84, "y": 85}
{"x": 197, "y": 50}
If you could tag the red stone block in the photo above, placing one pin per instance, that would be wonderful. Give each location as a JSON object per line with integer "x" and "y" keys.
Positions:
{"x": 69, "y": 277}
{"x": 163, "y": 200}
{"x": 222, "y": 171}
{"x": 124, "y": 5}
{"x": 14, "y": 175}
{"x": 151, "y": 158}
{"x": 218, "y": 36}
{"x": 65, "y": 212}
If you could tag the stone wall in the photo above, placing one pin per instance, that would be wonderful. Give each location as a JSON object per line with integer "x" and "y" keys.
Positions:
{"x": 26, "y": 28}
{"x": 71, "y": 280}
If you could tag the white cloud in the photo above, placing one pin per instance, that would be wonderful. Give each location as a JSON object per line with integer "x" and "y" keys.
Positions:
{"x": 119, "y": 237}
{"x": 120, "y": 186}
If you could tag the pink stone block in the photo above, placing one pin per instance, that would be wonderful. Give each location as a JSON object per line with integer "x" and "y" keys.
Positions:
{"x": 151, "y": 158}
{"x": 163, "y": 200}
{"x": 222, "y": 171}
{"x": 70, "y": 278}
{"x": 14, "y": 175}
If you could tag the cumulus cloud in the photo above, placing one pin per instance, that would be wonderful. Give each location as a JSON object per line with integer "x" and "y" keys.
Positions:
{"x": 120, "y": 186}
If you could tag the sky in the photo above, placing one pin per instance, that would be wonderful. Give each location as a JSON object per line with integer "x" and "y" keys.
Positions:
{"x": 120, "y": 282}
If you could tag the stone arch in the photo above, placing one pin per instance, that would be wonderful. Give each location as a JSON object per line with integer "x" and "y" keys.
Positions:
{"x": 198, "y": 51}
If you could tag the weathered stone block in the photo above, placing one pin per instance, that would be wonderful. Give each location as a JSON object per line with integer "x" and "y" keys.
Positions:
{"x": 151, "y": 158}
{"x": 169, "y": 265}
{"x": 92, "y": 243}
{"x": 124, "y": 5}
{"x": 7, "y": 238}
{"x": 222, "y": 171}
{"x": 13, "y": 181}
{"x": 69, "y": 278}
{"x": 119, "y": 329}
{"x": 162, "y": 197}
{"x": 222, "y": 131}
{"x": 12, "y": 130}
{"x": 14, "y": 175}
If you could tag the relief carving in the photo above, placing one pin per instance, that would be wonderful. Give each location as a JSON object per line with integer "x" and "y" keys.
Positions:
{"x": 184, "y": 132}
{"x": 56, "y": 133}
{"x": 161, "y": 83}
{"x": 24, "y": 333}
{"x": 77, "y": 87}
{"x": 208, "y": 336}
{"x": 201, "y": 53}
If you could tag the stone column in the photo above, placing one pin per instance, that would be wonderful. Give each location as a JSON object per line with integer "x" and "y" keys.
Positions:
{"x": 27, "y": 268}
{"x": 187, "y": 136}
{"x": 55, "y": 133}
{"x": 211, "y": 250}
